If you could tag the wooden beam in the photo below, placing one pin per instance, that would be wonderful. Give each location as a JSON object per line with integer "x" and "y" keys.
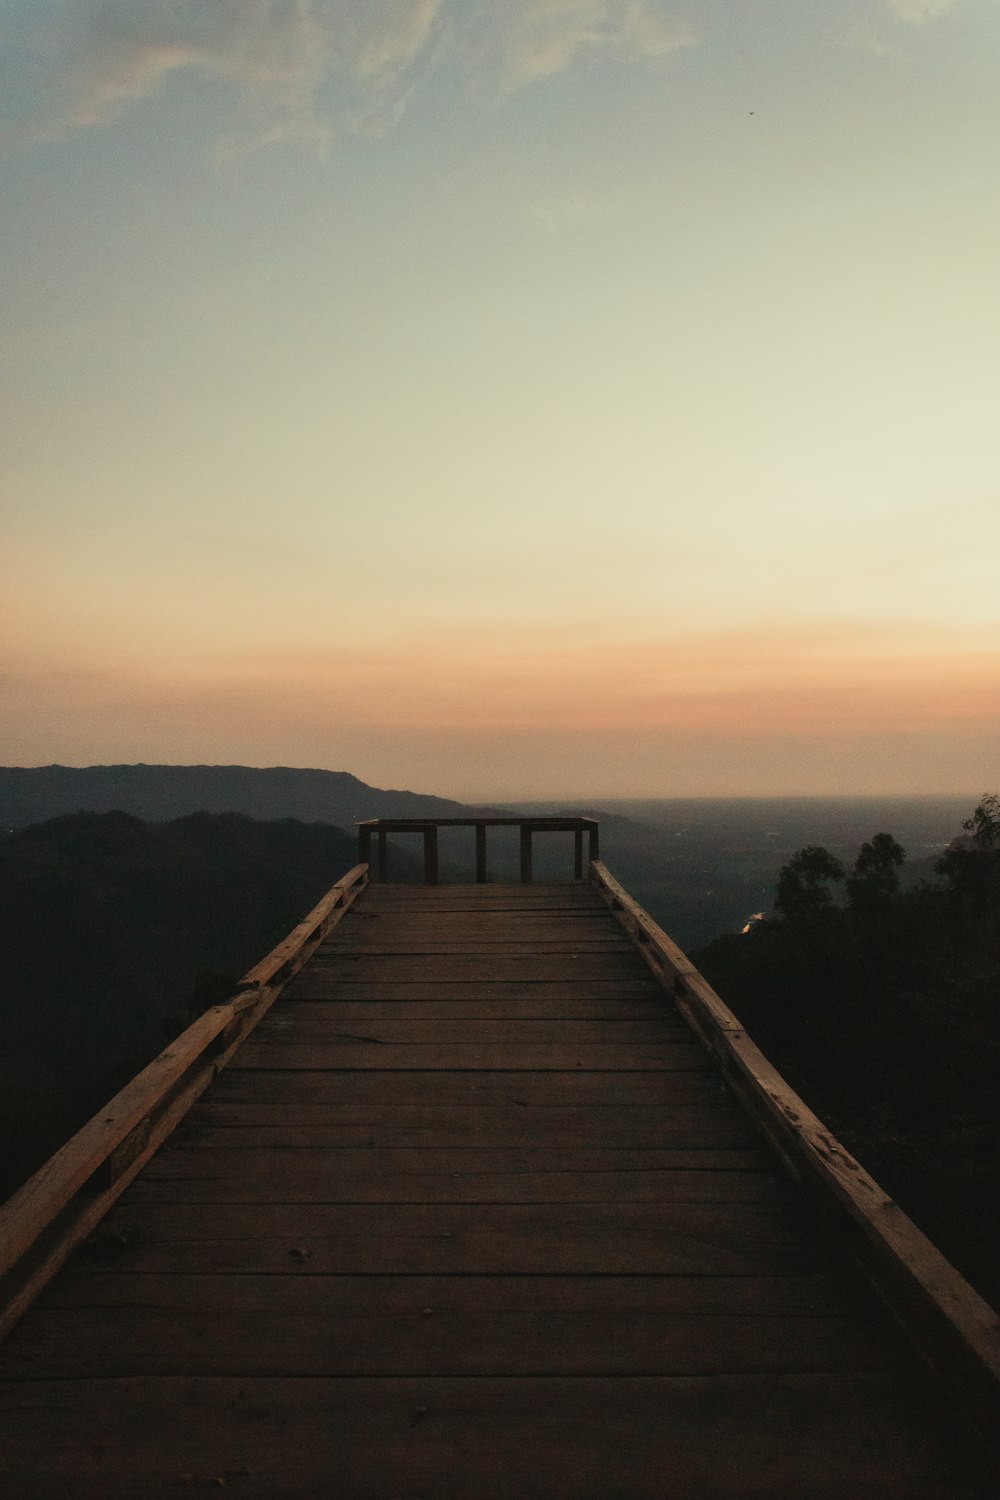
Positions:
{"x": 480, "y": 853}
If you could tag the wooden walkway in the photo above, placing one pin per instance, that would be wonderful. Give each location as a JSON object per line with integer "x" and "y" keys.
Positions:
{"x": 470, "y": 1214}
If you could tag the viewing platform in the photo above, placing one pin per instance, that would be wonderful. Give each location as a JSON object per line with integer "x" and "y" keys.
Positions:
{"x": 479, "y": 1192}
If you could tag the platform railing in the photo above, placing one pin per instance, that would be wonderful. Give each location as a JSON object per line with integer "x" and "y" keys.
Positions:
{"x": 380, "y": 828}
{"x": 946, "y": 1321}
{"x": 50, "y": 1214}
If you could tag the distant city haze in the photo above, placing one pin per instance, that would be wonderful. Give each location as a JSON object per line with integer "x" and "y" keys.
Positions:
{"x": 549, "y": 399}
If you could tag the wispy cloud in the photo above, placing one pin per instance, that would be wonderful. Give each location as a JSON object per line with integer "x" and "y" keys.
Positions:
{"x": 881, "y": 33}
{"x": 532, "y": 39}
{"x": 919, "y": 12}
{"x": 279, "y": 57}
{"x": 299, "y": 68}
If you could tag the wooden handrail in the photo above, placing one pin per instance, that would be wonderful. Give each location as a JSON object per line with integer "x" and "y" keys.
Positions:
{"x": 60, "y": 1205}
{"x": 954, "y": 1330}
{"x": 381, "y": 827}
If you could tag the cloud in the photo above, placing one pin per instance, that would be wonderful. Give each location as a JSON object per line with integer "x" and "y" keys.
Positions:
{"x": 534, "y": 39}
{"x": 274, "y": 55}
{"x": 278, "y": 56}
{"x": 388, "y": 36}
{"x": 297, "y": 68}
{"x": 919, "y": 12}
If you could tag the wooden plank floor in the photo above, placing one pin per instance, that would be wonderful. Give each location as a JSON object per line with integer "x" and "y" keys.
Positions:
{"x": 470, "y": 1214}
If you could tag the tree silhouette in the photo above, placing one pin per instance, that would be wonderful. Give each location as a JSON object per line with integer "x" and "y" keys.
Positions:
{"x": 875, "y": 878}
{"x": 884, "y": 1014}
{"x": 971, "y": 863}
{"x": 984, "y": 825}
{"x": 803, "y": 888}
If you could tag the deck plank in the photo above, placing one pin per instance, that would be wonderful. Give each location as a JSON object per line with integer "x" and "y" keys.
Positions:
{"x": 597, "y": 1239}
{"x": 261, "y": 1093}
{"x": 450, "y": 1325}
{"x": 520, "y": 966}
{"x": 455, "y": 1175}
{"x": 731, "y": 1437}
{"x": 404, "y": 1025}
{"x": 314, "y": 984}
{"x": 720, "y": 1137}
{"x": 355, "y": 1052}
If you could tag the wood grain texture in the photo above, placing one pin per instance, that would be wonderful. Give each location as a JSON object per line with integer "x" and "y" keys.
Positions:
{"x": 400, "y": 1024}
{"x": 720, "y": 1137}
{"x": 477, "y": 1008}
{"x": 316, "y": 984}
{"x": 597, "y": 1239}
{"x": 786, "y": 1298}
{"x": 523, "y": 921}
{"x": 520, "y": 967}
{"x": 260, "y": 1093}
{"x": 484, "y": 944}
{"x": 731, "y": 1437}
{"x": 354, "y": 1052}
{"x": 441, "y": 1325}
{"x": 446, "y": 1175}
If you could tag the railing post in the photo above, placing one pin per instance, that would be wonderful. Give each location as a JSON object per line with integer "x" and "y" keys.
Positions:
{"x": 373, "y": 836}
{"x": 430, "y": 855}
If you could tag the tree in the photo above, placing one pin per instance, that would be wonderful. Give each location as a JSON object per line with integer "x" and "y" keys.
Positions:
{"x": 875, "y": 878}
{"x": 984, "y": 825}
{"x": 972, "y": 862}
{"x": 803, "y": 888}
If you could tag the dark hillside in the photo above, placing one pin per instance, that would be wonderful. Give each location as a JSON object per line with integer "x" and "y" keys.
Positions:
{"x": 33, "y": 794}
{"x": 116, "y": 933}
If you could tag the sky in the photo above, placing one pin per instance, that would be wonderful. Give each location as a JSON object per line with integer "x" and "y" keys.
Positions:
{"x": 530, "y": 399}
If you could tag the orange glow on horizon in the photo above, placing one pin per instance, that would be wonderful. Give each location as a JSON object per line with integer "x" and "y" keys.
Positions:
{"x": 776, "y": 681}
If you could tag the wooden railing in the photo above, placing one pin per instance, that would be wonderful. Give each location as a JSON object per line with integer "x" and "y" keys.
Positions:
{"x": 380, "y": 828}
{"x": 951, "y": 1327}
{"x": 60, "y": 1205}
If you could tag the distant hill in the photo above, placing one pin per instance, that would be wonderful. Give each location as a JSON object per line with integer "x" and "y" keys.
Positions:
{"x": 34, "y": 794}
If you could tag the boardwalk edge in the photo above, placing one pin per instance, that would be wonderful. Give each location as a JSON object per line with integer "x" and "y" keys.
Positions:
{"x": 58, "y": 1207}
{"x": 954, "y": 1330}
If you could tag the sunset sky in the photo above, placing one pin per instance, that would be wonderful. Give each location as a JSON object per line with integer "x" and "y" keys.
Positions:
{"x": 538, "y": 398}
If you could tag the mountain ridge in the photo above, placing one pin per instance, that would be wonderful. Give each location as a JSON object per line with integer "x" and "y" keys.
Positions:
{"x": 156, "y": 793}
